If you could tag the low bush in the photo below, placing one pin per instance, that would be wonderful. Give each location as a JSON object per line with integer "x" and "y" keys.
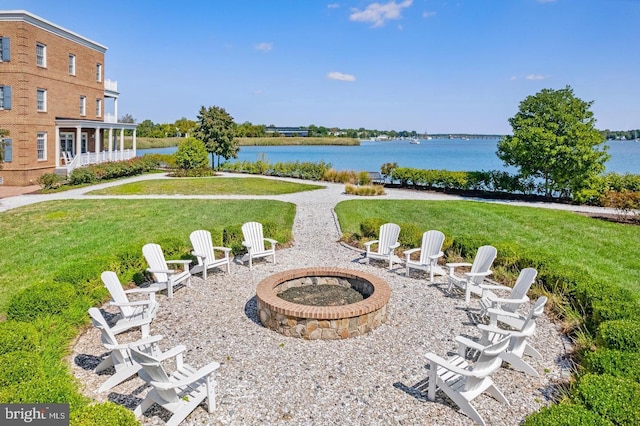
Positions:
{"x": 366, "y": 190}
{"x": 19, "y": 367}
{"x": 50, "y": 180}
{"x": 623, "y": 335}
{"x": 410, "y": 236}
{"x": 106, "y": 413}
{"x": 232, "y": 238}
{"x": 614, "y": 398}
{"x": 191, "y": 155}
{"x": 613, "y": 362}
{"x": 566, "y": 415}
{"x": 40, "y": 300}
{"x": 82, "y": 175}
{"x": 370, "y": 228}
{"x": 18, "y": 336}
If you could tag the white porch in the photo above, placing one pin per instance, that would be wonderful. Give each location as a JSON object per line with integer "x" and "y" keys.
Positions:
{"x": 83, "y": 142}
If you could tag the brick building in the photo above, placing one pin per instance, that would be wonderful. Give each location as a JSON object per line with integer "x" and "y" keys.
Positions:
{"x": 53, "y": 97}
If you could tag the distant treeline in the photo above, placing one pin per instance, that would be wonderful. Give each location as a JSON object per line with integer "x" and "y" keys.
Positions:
{"x": 621, "y": 134}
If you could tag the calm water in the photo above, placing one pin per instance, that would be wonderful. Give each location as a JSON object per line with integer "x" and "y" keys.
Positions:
{"x": 455, "y": 154}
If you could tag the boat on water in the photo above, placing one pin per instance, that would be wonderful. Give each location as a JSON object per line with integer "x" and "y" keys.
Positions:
{"x": 414, "y": 141}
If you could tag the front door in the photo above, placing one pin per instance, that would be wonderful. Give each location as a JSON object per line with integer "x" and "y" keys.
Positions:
{"x": 66, "y": 143}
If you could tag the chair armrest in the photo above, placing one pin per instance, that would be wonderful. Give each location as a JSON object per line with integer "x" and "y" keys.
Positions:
{"x": 468, "y": 343}
{"x": 435, "y": 359}
{"x": 411, "y": 251}
{"x": 183, "y": 262}
{"x": 134, "y": 303}
{"x": 145, "y": 341}
{"x": 161, "y": 271}
{"x": 370, "y": 243}
{"x": 455, "y": 265}
{"x": 202, "y": 372}
{"x": 498, "y": 311}
{"x": 394, "y": 246}
{"x": 172, "y": 353}
{"x": 478, "y": 274}
{"x": 149, "y": 290}
{"x": 495, "y": 287}
{"x": 436, "y": 256}
{"x": 272, "y": 241}
{"x": 126, "y": 325}
{"x": 227, "y": 250}
{"x": 193, "y": 253}
{"x": 493, "y": 299}
{"x": 246, "y": 244}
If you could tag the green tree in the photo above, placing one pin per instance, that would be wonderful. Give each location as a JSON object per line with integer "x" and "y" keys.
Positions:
{"x": 184, "y": 127}
{"x": 215, "y": 127}
{"x": 191, "y": 154}
{"x": 555, "y": 139}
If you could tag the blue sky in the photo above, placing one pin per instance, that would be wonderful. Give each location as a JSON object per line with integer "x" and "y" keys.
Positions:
{"x": 439, "y": 66}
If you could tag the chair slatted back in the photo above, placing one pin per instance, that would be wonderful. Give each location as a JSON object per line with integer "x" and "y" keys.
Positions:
{"x": 521, "y": 287}
{"x": 488, "y": 362}
{"x": 252, "y": 233}
{"x": 155, "y": 258}
{"x": 389, "y": 233}
{"x": 120, "y": 356}
{"x": 154, "y": 370}
{"x": 112, "y": 283}
{"x": 482, "y": 262}
{"x": 202, "y": 244}
{"x": 518, "y": 343}
{"x": 431, "y": 245}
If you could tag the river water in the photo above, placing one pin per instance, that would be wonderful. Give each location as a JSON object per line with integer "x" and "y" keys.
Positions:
{"x": 447, "y": 154}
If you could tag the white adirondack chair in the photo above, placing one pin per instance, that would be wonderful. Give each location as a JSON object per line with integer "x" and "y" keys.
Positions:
{"x": 471, "y": 281}
{"x": 119, "y": 357}
{"x": 254, "y": 242}
{"x": 430, "y": 251}
{"x": 130, "y": 310}
{"x": 518, "y": 340}
{"x": 179, "y": 392}
{"x": 463, "y": 382}
{"x": 204, "y": 251}
{"x": 164, "y": 277}
{"x": 386, "y": 243}
{"x": 516, "y": 297}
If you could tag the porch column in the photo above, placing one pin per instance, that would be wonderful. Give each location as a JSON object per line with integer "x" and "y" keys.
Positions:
{"x": 115, "y": 108}
{"x": 134, "y": 142}
{"x": 121, "y": 144}
{"x": 57, "y": 148}
{"x": 79, "y": 142}
{"x": 110, "y": 143}
{"x": 99, "y": 158}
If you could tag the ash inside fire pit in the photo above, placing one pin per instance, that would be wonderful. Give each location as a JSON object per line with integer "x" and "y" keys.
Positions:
{"x": 321, "y": 295}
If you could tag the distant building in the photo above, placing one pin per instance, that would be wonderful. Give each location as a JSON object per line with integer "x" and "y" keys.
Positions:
{"x": 288, "y": 131}
{"x": 52, "y": 101}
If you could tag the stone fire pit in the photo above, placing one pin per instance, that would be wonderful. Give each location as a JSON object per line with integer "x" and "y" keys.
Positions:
{"x": 322, "y": 322}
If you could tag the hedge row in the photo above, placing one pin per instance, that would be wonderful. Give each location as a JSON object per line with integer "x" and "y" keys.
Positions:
{"x": 295, "y": 169}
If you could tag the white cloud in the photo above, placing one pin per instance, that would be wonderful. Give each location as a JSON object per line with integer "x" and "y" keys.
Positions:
{"x": 378, "y": 14}
{"x": 340, "y": 76}
{"x": 333, "y": 6}
{"x": 264, "y": 46}
{"x": 258, "y": 92}
{"x": 535, "y": 77}
{"x": 513, "y": 78}
{"x": 427, "y": 14}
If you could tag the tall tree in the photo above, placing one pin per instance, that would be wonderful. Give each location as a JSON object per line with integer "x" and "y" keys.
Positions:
{"x": 215, "y": 127}
{"x": 127, "y": 118}
{"x": 555, "y": 139}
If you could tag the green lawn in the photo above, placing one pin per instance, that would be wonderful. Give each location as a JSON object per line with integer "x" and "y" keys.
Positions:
{"x": 208, "y": 186}
{"x": 607, "y": 251}
{"x": 60, "y": 239}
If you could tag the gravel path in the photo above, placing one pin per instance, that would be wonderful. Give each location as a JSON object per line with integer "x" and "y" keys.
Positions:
{"x": 266, "y": 378}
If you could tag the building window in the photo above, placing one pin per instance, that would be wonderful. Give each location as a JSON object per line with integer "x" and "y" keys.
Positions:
{"x": 83, "y": 105}
{"x": 41, "y": 147}
{"x": 72, "y": 64}
{"x": 5, "y": 97}
{"x": 41, "y": 97}
{"x": 41, "y": 55}
{"x": 98, "y": 107}
{"x": 98, "y": 72}
{"x": 8, "y": 150}
{"x": 5, "y": 49}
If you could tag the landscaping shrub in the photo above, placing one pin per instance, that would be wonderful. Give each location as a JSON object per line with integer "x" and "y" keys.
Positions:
{"x": 232, "y": 238}
{"x": 614, "y": 362}
{"x": 623, "y": 335}
{"x": 82, "y": 175}
{"x": 410, "y": 235}
{"x": 18, "y": 336}
{"x": 566, "y": 415}
{"x": 363, "y": 178}
{"x": 106, "y": 413}
{"x": 364, "y": 190}
{"x": 191, "y": 154}
{"x": 40, "y": 300}
{"x": 19, "y": 367}
{"x": 370, "y": 228}
{"x": 615, "y": 398}
{"x": 50, "y": 180}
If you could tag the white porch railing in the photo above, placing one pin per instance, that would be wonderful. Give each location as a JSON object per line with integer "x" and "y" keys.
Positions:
{"x": 111, "y": 85}
{"x": 110, "y": 118}
{"x": 99, "y": 157}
